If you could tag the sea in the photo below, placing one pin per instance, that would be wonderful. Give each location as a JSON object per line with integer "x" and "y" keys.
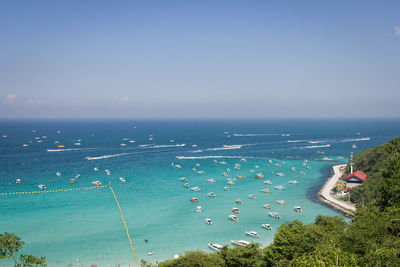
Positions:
{"x": 78, "y": 224}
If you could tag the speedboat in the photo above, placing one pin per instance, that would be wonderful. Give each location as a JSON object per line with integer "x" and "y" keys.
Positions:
{"x": 222, "y": 162}
{"x": 183, "y": 179}
{"x": 72, "y": 181}
{"x": 280, "y": 187}
{"x": 150, "y": 253}
{"x": 195, "y": 189}
{"x": 122, "y": 179}
{"x": 237, "y": 166}
{"x": 211, "y": 194}
{"x": 96, "y": 183}
{"x": 95, "y": 169}
{"x": 186, "y": 185}
{"x": 293, "y": 182}
{"x": 198, "y": 164}
{"x": 267, "y": 206}
{"x": 282, "y": 202}
{"x": 242, "y": 243}
{"x": 281, "y": 174}
{"x": 274, "y": 215}
{"x": 297, "y": 208}
{"x": 266, "y": 191}
{"x": 238, "y": 201}
{"x": 201, "y": 172}
{"x": 226, "y": 188}
{"x": 231, "y": 182}
{"x": 194, "y": 169}
{"x": 18, "y": 181}
{"x": 216, "y": 247}
{"x": 233, "y": 218}
{"x": 259, "y": 176}
{"x": 267, "y": 182}
{"x": 208, "y": 221}
{"x": 240, "y": 176}
{"x": 194, "y": 199}
{"x": 235, "y": 210}
{"x": 178, "y": 166}
{"x": 256, "y": 166}
{"x": 77, "y": 176}
{"x": 211, "y": 180}
{"x": 253, "y": 234}
{"x": 243, "y": 160}
{"x": 302, "y": 173}
{"x": 266, "y": 226}
{"x": 251, "y": 170}
{"x": 293, "y": 169}
{"x": 198, "y": 209}
{"x": 225, "y": 174}
{"x": 278, "y": 165}
{"x": 215, "y": 161}
{"x": 251, "y": 196}
{"x": 354, "y": 146}
{"x": 58, "y": 173}
{"x": 42, "y": 187}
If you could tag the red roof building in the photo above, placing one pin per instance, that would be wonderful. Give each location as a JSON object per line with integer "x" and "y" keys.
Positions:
{"x": 356, "y": 178}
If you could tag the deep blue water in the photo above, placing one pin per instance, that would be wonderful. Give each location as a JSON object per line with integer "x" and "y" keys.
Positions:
{"x": 86, "y": 225}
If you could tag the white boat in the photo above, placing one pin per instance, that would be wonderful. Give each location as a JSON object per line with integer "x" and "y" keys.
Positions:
{"x": 282, "y": 202}
{"x": 211, "y": 194}
{"x": 42, "y": 187}
{"x": 198, "y": 209}
{"x": 281, "y": 174}
{"x": 231, "y": 182}
{"x": 25, "y": 145}
{"x": 242, "y": 243}
{"x": 195, "y": 189}
{"x": 280, "y": 187}
{"x": 225, "y": 174}
{"x": 226, "y": 188}
{"x": 238, "y": 201}
{"x": 150, "y": 253}
{"x": 297, "y": 208}
{"x": 215, "y": 247}
{"x": 208, "y": 221}
{"x": 243, "y": 160}
{"x": 178, "y": 166}
{"x": 278, "y": 165}
{"x": 267, "y": 182}
{"x": 18, "y": 181}
{"x": 211, "y": 180}
{"x": 233, "y": 218}
{"x": 201, "y": 172}
{"x": 223, "y": 162}
{"x": 267, "y": 206}
{"x": 122, "y": 179}
{"x": 253, "y": 234}
{"x": 354, "y": 146}
{"x": 77, "y": 176}
{"x": 96, "y": 183}
{"x": 251, "y": 196}
{"x": 266, "y": 226}
{"x": 274, "y": 215}
{"x": 96, "y": 169}
{"x": 58, "y": 173}
{"x": 198, "y": 164}
{"x": 183, "y": 179}
{"x": 293, "y": 169}
{"x": 293, "y": 182}
{"x": 302, "y": 173}
{"x": 186, "y": 185}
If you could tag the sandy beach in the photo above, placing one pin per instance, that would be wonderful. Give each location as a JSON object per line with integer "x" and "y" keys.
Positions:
{"x": 325, "y": 193}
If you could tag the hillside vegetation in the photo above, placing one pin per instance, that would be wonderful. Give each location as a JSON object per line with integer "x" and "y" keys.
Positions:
{"x": 371, "y": 238}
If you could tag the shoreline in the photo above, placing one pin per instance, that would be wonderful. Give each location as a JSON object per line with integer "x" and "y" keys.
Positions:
{"x": 325, "y": 196}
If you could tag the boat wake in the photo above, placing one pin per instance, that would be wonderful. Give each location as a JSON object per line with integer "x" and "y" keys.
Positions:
{"x": 356, "y": 139}
{"x": 108, "y": 156}
{"x": 316, "y": 142}
{"x": 250, "y": 134}
{"x": 296, "y": 141}
{"x": 212, "y": 157}
{"x": 316, "y": 146}
{"x": 225, "y": 147}
{"x": 66, "y": 149}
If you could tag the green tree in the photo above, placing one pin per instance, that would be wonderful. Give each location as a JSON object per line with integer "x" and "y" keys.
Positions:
{"x": 196, "y": 259}
{"x": 250, "y": 256}
{"x": 10, "y": 244}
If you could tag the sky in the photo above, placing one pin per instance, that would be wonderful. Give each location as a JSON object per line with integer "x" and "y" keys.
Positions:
{"x": 199, "y": 59}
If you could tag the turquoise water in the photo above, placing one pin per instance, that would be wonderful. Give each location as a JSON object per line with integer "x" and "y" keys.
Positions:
{"x": 86, "y": 224}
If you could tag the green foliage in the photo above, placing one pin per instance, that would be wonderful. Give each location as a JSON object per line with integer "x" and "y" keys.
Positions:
{"x": 196, "y": 259}
{"x": 380, "y": 164}
{"x": 10, "y": 244}
{"x": 242, "y": 256}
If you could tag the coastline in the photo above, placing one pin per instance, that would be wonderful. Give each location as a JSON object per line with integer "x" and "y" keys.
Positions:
{"x": 325, "y": 196}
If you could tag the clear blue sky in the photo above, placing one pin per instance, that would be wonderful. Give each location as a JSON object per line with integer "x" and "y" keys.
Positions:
{"x": 199, "y": 58}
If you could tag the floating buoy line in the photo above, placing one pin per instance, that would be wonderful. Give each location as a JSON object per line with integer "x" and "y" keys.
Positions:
{"x": 53, "y": 191}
